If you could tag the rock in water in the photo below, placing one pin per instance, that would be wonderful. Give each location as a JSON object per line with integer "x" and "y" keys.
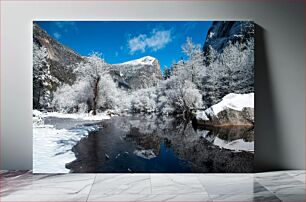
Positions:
{"x": 233, "y": 110}
{"x": 231, "y": 117}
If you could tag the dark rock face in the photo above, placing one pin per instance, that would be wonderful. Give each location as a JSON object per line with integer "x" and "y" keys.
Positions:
{"x": 221, "y": 33}
{"x": 230, "y": 117}
{"x": 60, "y": 57}
{"x": 60, "y": 62}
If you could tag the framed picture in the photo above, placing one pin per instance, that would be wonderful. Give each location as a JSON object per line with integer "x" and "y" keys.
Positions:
{"x": 143, "y": 96}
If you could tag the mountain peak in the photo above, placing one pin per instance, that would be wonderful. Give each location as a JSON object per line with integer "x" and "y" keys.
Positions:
{"x": 147, "y": 60}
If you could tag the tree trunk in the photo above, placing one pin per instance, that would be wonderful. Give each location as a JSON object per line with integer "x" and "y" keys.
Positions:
{"x": 192, "y": 75}
{"x": 95, "y": 98}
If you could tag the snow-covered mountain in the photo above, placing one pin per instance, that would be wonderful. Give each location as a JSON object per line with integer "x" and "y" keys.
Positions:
{"x": 147, "y": 60}
{"x": 136, "y": 74}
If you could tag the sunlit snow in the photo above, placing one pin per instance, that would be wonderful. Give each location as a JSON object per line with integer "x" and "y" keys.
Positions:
{"x": 234, "y": 101}
{"x": 52, "y": 146}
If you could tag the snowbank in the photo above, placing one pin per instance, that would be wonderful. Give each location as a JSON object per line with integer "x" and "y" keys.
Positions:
{"x": 233, "y": 101}
{"x": 52, "y": 146}
{"x": 237, "y": 109}
{"x": 201, "y": 115}
{"x": 81, "y": 116}
{"x": 37, "y": 118}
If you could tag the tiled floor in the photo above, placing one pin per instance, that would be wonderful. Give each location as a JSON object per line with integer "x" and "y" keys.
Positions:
{"x": 271, "y": 186}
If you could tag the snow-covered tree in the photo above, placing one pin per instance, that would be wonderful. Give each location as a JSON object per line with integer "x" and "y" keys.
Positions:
{"x": 232, "y": 71}
{"x": 42, "y": 78}
{"x": 75, "y": 98}
{"x": 92, "y": 70}
{"x": 144, "y": 100}
{"x": 167, "y": 73}
{"x": 178, "y": 96}
{"x": 194, "y": 65}
{"x": 94, "y": 88}
{"x": 108, "y": 93}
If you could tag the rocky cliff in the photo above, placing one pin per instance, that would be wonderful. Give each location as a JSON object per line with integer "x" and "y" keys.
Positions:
{"x": 222, "y": 33}
{"x": 60, "y": 57}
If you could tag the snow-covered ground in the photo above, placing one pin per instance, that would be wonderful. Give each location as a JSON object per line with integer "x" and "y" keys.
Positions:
{"x": 232, "y": 101}
{"x": 80, "y": 116}
{"x": 52, "y": 146}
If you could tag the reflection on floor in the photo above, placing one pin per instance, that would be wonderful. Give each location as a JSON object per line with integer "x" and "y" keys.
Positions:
{"x": 270, "y": 186}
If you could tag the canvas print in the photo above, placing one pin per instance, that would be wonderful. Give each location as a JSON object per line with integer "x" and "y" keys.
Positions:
{"x": 143, "y": 96}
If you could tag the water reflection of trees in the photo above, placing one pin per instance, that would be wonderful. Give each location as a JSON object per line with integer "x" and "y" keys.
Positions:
{"x": 151, "y": 132}
{"x": 195, "y": 146}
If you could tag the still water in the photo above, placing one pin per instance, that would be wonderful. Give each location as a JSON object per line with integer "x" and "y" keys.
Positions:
{"x": 162, "y": 145}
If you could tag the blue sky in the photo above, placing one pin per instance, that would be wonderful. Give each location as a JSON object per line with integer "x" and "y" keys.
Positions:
{"x": 120, "y": 41}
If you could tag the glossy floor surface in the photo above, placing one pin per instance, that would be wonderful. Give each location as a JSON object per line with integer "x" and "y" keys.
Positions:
{"x": 270, "y": 186}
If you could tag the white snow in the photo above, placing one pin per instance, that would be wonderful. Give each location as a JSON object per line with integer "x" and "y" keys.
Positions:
{"x": 146, "y": 154}
{"x": 211, "y": 34}
{"x": 52, "y": 146}
{"x": 147, "y": 60}
{"x": 80, "y": 116}
{"x": 232, "y": 101}
{"x": 201, "y": 115}
{"x": 37, "y": 118}
{"x": 236, "y": 145}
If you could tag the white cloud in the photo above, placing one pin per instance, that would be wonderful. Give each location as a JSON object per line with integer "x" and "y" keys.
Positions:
{"x": 65, "y": 26}
{"x": 157, "y": 40}
{"x": 60, "y": 28}
{"x": 57, "y": 35}
{"x": 62, "y": 24}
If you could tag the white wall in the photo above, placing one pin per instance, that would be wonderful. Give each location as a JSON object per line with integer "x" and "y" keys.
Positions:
{"x": 280, "y": 62}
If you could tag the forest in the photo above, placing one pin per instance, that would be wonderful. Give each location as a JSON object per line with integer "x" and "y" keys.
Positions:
{"x": 197, "y": 82}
